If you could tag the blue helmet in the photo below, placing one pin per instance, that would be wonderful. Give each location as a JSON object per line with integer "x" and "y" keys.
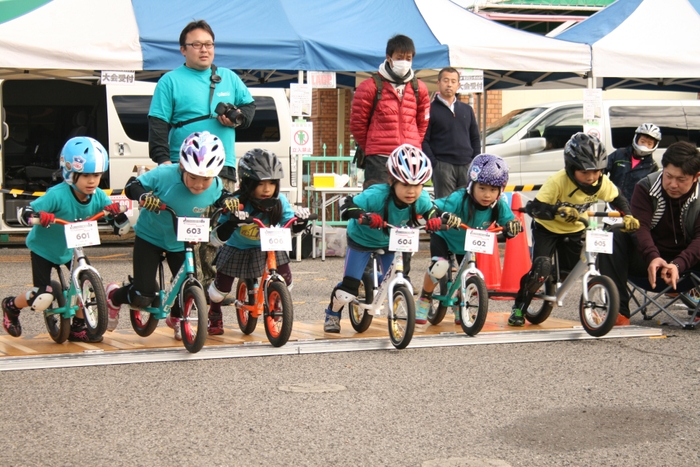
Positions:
{"x": 83, "y": 155}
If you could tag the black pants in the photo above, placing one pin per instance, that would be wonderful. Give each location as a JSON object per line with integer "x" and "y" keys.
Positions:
{"x": 545, "y": 243}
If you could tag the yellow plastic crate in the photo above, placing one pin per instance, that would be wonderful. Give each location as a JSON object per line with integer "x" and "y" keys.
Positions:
{"x": 324, "y": 180}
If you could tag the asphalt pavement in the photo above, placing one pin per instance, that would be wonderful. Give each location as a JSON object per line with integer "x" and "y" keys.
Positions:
{"x": 613, "y": 402}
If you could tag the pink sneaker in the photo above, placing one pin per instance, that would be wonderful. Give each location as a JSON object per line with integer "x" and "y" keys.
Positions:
{"x": 174, "y": 324}
{"x": 113, "y": 310}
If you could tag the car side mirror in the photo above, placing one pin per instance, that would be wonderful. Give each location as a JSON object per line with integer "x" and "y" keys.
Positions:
{"x": 532, "y": 145}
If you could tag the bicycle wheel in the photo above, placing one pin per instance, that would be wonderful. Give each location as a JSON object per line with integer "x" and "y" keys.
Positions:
{"x": 194, "y": 318}
{"x": 359, "y": 317}
{"x": 246, "y": 322}
{"x": 403, "y": 322}
{"x": 57, "y": 326}
{"x": 279, "y": 316}
{"x": 437, "y": 309}
{"x": 599, "y": 314}
{"x": 95, "y": 299}
{"x": 539, "y": 310}
{"x": 473, "y": 314}
{"x": 142, "y": 322}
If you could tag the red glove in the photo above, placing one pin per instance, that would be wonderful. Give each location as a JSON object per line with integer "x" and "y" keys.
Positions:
{"x": 372, "y": 220}
{"x": 433, "y": 225}
{"x": 46, "y": 218}
{"x": 114, "y": 209}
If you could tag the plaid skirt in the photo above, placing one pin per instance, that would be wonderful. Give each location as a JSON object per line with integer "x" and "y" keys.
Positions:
{"x": 245, "y": 264}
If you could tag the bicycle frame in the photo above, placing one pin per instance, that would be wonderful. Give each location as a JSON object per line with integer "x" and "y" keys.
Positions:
{"x": 392, "y": 278}
{"x": 70, "y": 292}
{"x": 270, "y": 274}
{"x": 466, "y": 268}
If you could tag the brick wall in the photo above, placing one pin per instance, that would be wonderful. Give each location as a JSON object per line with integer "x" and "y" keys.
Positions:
{"x": 325, "y": 119}
{"x": 494, "y": 106}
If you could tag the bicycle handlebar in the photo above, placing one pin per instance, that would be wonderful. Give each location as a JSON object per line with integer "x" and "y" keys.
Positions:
{"x": 34, "y": 220}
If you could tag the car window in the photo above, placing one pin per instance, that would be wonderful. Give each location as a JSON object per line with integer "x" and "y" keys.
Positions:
{"x": 133, "y": 115}
{"x": 557, "y": 127}
{"x": 624, "y": 120}
{"x": 505, "y": 127}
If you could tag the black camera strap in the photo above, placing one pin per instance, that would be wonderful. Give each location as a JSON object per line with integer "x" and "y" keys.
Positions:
{"x": 214, "y": 80}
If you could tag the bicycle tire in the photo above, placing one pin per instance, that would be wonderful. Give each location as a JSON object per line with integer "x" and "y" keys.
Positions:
{"x": 279, "y": 316}
{"x": 95, "y": 298}
{"x": 359, "y": 317}
{"x": 246, "y": 322}
{"x": 473, "y": 321}
{"x": 600, "y": 288}
{"x": 142, "y": 322}
{"x": 404, "y": 312}
{"x": 539, "y": 315}
{"x": 437, "y": 309}
{"x": 193, "y": 323}
{"x": 57, "y": 326}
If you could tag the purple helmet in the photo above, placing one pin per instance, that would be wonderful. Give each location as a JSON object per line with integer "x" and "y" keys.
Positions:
{"x": 489, "y": 170}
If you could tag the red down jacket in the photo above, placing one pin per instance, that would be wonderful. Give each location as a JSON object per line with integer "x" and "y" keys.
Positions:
{"x": 394, "y": 121}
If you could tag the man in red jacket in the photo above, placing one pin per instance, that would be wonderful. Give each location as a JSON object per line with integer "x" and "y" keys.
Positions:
{"x": 398, "y": 117}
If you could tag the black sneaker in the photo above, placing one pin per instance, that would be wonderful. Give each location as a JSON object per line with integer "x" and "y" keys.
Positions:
{"x": 10, "y": 319}
{"x": 517, "y": 318}
{"x": 216, "y": 324}
{"x": 78, "y": 333}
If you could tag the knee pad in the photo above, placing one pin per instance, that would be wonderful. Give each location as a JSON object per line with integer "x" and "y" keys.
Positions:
{"x": 344, "y": 293}
{"x": 437, "y": 269}
{"x": 40, "y": 298}
{"x": 216, "y": 295}
{"x": 541, "y": 268}
{"x": 138, "y": 300}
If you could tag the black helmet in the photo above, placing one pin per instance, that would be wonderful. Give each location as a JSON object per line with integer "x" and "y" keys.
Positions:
{"x": 584, "y": 152}
{"x": 255, "y": 166}
{"x": 260, "y": 164}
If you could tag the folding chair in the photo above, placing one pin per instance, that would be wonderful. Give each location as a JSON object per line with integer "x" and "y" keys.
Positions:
{"x": 687, "y": 289}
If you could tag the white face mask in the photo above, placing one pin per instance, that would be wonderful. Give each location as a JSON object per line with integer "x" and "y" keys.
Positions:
{"x": 401, "y": 67}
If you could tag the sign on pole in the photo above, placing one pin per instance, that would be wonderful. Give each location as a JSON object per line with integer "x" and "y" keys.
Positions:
{"x": 321, "y": 79}
{"x": 302, "y": 138}
{"x": 592, "y": 112}
{"x": 471, "y": 80}
{"x": 300, "y": 100}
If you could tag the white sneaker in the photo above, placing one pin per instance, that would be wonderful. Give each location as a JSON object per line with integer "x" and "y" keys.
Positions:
{"x": 112, "y": 310}
{"x": 174, "y": 324}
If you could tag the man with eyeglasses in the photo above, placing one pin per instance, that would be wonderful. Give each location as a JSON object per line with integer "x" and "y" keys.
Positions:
{"x": 185, "y": 100}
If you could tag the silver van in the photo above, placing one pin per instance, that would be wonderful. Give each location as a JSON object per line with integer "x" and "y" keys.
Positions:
{"x": 531, "y": 140}
{"x": 42, "y": 114}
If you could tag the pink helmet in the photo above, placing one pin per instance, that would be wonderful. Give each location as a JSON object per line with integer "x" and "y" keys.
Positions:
{"x": 409, "y": 165}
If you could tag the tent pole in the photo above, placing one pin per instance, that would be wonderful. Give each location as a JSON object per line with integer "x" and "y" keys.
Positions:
{"x": 483, "y": 123}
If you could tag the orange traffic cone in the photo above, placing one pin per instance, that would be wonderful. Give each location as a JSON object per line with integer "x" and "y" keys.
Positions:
{"x": 517, "y": 259}
{"x": 490, "y": 266}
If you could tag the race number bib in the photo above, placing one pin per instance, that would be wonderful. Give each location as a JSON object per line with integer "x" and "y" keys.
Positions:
{"x": 275, "y": 239}
{"x": 403, "y": 240}
{"x": 193, "y": 229}
{"x": 479, "y": 241}
{"x": 82, "y": 234}
{"x": 599, "y": 241}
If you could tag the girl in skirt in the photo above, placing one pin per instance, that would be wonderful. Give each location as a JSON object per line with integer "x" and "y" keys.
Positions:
{"x": 260, "y": 172}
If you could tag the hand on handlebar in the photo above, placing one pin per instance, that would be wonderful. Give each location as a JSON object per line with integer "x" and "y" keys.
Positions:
{"x": 231, "y": 204}
{"x": 451, "y": 220}
{"x": 512, "y": 228}
{"x": 433, "y": 225}
{"x": 568, "y": 214}
{"x": 46, "y": 218}
{"x": 631, "y": 224}
{"x": 150, "y": 202}
{"x": 372, "y": 220}
{"x": 302, "y": 214}
{"x": 114, "y": 209}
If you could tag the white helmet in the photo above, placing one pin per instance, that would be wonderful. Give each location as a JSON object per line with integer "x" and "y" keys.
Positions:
{"x": 409, "y": 165}
{"x": 650, "y": 130}
{"x": 202, "y": 154}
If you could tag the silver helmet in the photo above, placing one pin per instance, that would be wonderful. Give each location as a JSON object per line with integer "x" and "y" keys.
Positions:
{"x": 650, "y": 130}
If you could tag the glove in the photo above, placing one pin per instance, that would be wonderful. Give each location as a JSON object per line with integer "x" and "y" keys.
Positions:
{"x": 231, "y": 204}
{"x": 302, "y": 214}
{"x": 150, "y": 202}
{"x": 567, "y": 214}
{"x": 451, "y": 220}
{"x": 372, "y": 220}
{"x": 46, "y": 218}
{"x": 631, "y": 224}
{"x": 114, "y": 209}
{"x": 512, "y": 228}
{"x": 433, "y": 225}
{"x": 238, "y": 217}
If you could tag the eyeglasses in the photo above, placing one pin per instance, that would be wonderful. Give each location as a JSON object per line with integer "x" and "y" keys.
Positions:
{"x": 198, "y": 45}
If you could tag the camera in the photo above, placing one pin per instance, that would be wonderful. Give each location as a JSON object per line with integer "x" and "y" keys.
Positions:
{"x": 230, "y": 111}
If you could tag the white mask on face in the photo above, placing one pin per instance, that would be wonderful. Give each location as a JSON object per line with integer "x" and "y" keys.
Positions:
{"x": 401, "y": 67}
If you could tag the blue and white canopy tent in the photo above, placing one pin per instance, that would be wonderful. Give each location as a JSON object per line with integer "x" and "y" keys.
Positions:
{"x": 69, "y": 38}
{"x": 644, "y": 44}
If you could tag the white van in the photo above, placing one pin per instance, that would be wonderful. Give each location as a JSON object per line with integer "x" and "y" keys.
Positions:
{"x": 41, "y": 115}
{"x": 532, "y": 140}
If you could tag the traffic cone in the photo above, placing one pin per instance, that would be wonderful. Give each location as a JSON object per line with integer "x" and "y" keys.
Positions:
{"x": 490, "y": 267}
{"x": 517, "y": 259}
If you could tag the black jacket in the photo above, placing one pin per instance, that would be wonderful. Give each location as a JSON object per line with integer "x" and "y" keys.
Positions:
{"x": 452, "y": 137}
{"x": 622, "y": 174}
